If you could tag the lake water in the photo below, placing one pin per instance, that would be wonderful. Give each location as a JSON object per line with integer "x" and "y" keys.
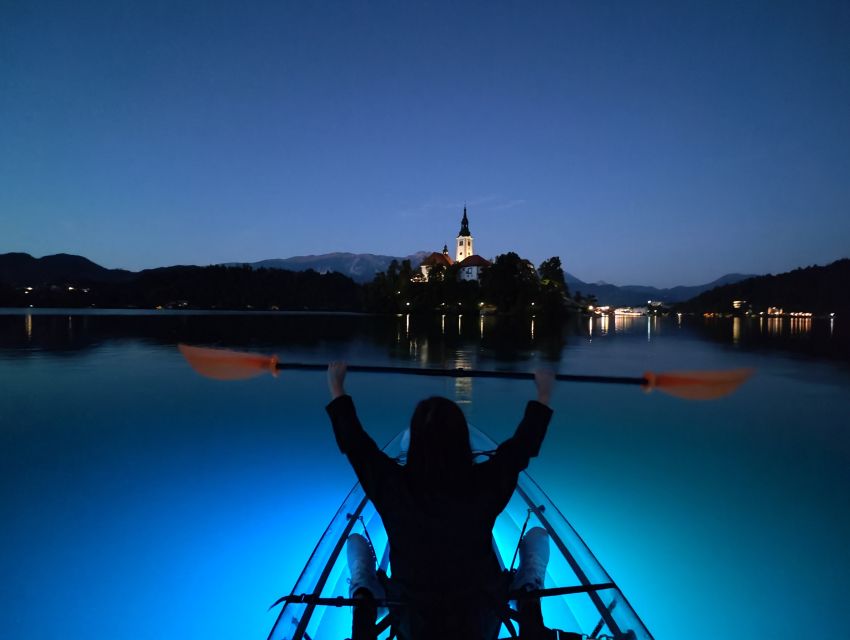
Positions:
{"x": 140, "y": 500}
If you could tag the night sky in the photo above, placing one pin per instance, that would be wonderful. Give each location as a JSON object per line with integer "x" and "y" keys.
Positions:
{"x": 642, "y": 142}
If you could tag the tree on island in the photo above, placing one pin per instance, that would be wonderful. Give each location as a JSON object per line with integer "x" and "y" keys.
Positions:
{"x": 551, "y": 273}
{"x": 554, "y": 292}
{"x": 396, "y": 291}
{"x": 511, "y": 284}
{"x": 384, "y": 293}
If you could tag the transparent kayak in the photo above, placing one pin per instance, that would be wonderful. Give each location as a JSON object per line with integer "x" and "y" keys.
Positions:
{"x": 579, "y": 597}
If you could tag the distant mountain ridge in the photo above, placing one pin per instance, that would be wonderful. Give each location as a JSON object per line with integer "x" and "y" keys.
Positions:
{"x": 360, "y": 267}
{"x": 22, "y": 269}
{"x": 636, "y": 295}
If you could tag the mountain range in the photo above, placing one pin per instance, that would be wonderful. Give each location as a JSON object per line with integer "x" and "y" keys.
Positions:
{"x": 362, "y": 267}
{"x": 638, "y": 295}
{"x": 22, "y": 269}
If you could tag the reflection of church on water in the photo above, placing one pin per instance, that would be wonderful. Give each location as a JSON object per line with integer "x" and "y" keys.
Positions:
{"x": 467, "y": 341}
{"x": 453, "y": 347}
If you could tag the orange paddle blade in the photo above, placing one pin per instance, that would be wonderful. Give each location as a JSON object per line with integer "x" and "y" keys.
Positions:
{"x": 697, "y": 385}
{"x": 228, "y": 365}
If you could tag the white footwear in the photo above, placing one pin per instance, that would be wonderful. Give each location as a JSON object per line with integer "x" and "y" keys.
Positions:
{"x": 361, "y": 564}
{"x": 533, "y": 558}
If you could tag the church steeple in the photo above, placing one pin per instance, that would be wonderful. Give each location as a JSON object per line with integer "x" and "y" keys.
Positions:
{"x": 464, "y": 239}
{"x": 464, "y": 224}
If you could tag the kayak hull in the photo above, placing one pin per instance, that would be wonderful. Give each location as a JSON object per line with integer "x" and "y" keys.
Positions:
{"x": 591, "y": 603}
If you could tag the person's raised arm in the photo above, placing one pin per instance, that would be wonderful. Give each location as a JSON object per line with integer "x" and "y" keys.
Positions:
{"x": 336, "y": 379}
{"x": 545, "y": 381}
{"x": 525, "y": 443}
{"x": 368, "y": 461}
{"x": 529, "y": 434}
{"x": 513, "y": 455}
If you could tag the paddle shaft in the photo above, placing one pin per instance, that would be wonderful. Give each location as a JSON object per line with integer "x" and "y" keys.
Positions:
{"x": 462, "y": 373}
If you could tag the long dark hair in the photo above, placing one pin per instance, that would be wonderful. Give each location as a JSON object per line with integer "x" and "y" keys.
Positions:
{"x": 439, "y": 441}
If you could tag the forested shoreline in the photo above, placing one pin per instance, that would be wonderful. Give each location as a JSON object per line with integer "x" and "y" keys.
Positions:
{"x": 511, "y": 285}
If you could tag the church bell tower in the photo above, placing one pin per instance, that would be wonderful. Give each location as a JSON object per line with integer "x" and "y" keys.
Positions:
{"x": 464, "y": 239}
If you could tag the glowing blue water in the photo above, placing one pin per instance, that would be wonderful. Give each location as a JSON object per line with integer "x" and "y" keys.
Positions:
{"x": 140, "y": 500}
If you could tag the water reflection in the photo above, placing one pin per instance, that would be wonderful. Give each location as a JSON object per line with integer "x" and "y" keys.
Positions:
{"x": 463, "y": 386}
{"x": 801, "y": 325}
{"x": 774, "y": 326}
{"x": 626, "y": 323}
{"x": 796, "y": 333}
{"x": 428, "y": 340}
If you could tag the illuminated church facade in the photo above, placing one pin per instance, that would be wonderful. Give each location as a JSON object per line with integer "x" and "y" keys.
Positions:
{"x": 470, "y": 265}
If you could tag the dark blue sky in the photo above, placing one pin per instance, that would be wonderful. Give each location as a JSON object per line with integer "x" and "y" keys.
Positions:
{"x": 653, "y": 143}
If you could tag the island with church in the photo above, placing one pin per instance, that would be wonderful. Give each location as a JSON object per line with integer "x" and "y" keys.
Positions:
{"x": 469, "y": 283}
{"x": 469, "y": 265}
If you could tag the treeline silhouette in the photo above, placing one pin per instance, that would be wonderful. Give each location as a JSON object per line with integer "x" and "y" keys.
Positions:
{"x": 215, "y": 287}
{"x": 819, "y": 290}
{"x": 510, "y": 285}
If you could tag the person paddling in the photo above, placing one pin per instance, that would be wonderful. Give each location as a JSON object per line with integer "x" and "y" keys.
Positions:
{"x": 439, "y": 510}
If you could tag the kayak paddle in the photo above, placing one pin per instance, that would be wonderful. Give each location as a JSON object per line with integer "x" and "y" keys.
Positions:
{"x": 222, "y": 364}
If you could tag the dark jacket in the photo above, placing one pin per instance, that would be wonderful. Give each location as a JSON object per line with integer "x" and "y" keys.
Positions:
{"x": 440, "y": 535}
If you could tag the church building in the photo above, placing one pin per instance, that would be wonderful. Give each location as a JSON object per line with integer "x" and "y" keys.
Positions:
{"x": 469, "y": 263}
